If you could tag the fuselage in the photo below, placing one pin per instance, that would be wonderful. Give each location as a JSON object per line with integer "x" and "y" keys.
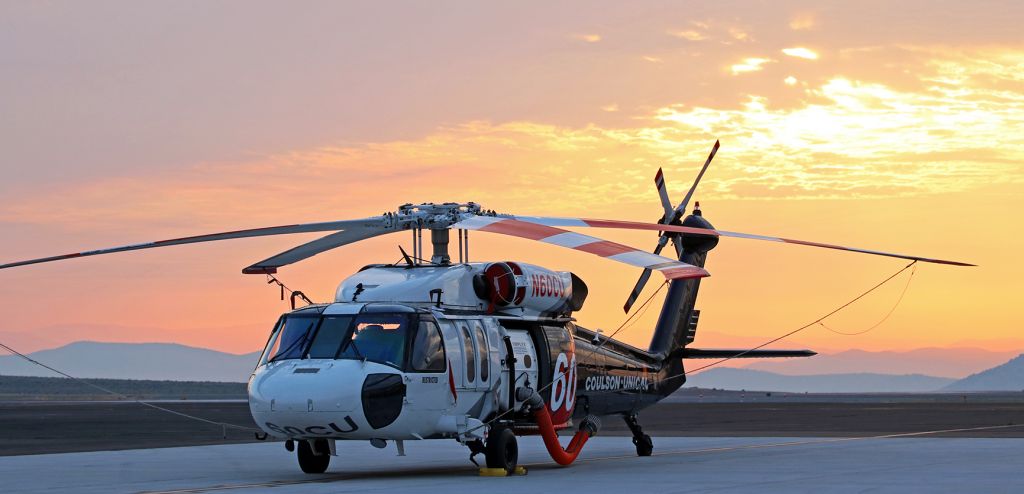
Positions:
{"x": 423, "y": 369}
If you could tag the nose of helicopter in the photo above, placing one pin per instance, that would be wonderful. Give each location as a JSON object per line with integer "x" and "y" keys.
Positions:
{"x": 309, "y": 393}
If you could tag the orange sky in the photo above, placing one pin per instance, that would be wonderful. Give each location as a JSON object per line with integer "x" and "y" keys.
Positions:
{"x": 895, "y": 129}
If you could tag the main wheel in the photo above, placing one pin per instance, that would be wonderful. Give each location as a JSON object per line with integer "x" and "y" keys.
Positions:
{"x": 310, "y": 462}
{"x": 502, "y": 450}
{"x": 644, "y": 445}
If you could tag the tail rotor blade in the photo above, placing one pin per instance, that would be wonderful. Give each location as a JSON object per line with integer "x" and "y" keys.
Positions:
{"x": 689, "y": 193}
{"x": 644, "y": 276}
{"x": 640, "y": 283}
{"x": 659, "y": 182}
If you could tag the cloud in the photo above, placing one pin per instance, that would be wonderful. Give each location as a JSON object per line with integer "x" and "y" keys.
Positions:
{"x": 739, "y": 34}
{"x": 846, "y": 138}
{"x": 803, "y": 22}
{"x": 589, "y": 38}
{"x": 801, "y": 52}
{"x": 753, "y": 64}
{"x": 688, "y": 34}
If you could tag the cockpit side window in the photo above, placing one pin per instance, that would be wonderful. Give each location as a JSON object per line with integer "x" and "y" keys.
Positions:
{"x": 427, "y": 349}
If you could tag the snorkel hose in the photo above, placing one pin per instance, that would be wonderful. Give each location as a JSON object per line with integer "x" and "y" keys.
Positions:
{"x": 588, "y": 428}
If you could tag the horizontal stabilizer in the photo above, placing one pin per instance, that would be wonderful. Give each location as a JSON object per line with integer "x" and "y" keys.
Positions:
{"x": 728, "y": 353}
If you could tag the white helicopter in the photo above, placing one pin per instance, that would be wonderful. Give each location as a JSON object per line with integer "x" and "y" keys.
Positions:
{"x": 479, "y": 352}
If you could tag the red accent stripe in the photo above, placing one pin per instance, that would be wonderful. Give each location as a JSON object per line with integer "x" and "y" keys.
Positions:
{"x": 634, "y": 225}
{"x": 685, "y": 272}
{"x": 524, "y": 229}
{"x": 451, "y": 382}
{"x": 259, "y": 270}
{"x": 658, "y": 178}
{"x": 605, "y": 248}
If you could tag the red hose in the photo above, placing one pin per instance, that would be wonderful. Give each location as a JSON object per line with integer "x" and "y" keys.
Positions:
{"x": 547, "y": 431}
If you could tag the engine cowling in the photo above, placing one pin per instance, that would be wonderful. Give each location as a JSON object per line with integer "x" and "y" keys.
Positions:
{"x": 520, "y": 285}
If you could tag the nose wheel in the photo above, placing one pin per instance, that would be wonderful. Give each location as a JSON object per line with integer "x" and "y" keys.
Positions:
{"x": 502, "y": 450}
{"x": 315, "y": 458}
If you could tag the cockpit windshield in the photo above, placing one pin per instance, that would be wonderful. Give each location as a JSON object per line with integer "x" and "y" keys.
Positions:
{"x": 291, "y": 336}
{"x": 377, "y": 337}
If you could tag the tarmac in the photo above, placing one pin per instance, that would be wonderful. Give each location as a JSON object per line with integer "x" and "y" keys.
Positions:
{"x": 607, "y": 464}
{"x": 43, "y": 427}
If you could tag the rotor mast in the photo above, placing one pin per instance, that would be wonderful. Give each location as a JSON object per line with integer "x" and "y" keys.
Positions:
{"x": 438, "y": 218}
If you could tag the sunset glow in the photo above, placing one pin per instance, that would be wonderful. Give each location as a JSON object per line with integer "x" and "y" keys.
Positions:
{"x": 831, "y": 131}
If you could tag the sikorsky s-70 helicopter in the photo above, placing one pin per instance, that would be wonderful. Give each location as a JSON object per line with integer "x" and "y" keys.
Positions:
{"x": 479, "y": 352}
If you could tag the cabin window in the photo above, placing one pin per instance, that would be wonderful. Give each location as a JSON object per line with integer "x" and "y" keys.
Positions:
{"x": 427, "y": 349}
{"x": 467, "y": 347}
{"x": 481, "y": 350}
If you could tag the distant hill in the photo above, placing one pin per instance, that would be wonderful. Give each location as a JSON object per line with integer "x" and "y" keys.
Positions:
{"x": 62, "y": 388}
{"x": 940, "y": 362}
{"x": 730, "y": 378}
{"x": 1006, "y": 377}
{"x": 152, "y": 361}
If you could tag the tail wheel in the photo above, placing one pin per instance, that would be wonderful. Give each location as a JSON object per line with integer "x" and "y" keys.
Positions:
{"x": 644, "y": 445}
{"x": 309, "y": 461}
{"x": 502, "y": 450}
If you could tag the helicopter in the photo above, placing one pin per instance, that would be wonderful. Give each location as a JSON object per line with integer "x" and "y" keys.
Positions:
{"x": 478, "y": 352}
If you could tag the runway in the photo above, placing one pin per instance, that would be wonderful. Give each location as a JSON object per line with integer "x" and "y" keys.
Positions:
{"x": 64, "y": 427}
{"x": 692, "y": 464}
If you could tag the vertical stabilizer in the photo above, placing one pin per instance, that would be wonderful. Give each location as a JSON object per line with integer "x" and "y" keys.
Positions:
{"x": 674, "y": 329}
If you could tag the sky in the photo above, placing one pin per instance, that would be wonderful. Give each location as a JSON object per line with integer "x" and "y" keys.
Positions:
{"x": 889, "y": 126}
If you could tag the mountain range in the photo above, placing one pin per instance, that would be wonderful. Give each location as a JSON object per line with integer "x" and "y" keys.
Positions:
{"x": 924, "y": 370}
{"x": 1009, "y": 376}
{"x": 747, "y": 379}
{"x": 155, "y": 361}
{"x": 940, "y": 362}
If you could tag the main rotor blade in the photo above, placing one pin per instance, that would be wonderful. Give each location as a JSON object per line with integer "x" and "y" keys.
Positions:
{"x": 635, "y": 225}
{"x": 556, "y": 236}
{"x": 310, "y": 249}
{"x": 689, "y": 194}
{"x": 378, "y": 221}
{"x": 693, "y": 353}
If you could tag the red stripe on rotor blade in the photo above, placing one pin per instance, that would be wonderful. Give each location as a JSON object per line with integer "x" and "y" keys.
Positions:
{"x": 685, "y": 272}
{"x": 605, "y": 248}
{"x": 658, "y": 177}
{"x": 259, "y": 270}
{"x": 951, "y": 263}
{"x": 525, "y": 229}
{"x": 635, "y": 225}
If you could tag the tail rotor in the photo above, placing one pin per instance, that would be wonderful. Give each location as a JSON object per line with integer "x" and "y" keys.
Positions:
{"x": 672, "y": 216}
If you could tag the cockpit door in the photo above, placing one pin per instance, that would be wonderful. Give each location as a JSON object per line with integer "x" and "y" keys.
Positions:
{"x": 427, "y": 376}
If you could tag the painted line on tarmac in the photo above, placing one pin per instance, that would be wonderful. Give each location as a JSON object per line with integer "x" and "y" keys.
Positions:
{"x": 722, "y": 449}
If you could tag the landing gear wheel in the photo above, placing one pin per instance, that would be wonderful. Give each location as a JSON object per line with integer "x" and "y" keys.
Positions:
{"x": 502, "y": 450}
{"x": 310, "y": 462}
{"x": 644, "y": 445}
